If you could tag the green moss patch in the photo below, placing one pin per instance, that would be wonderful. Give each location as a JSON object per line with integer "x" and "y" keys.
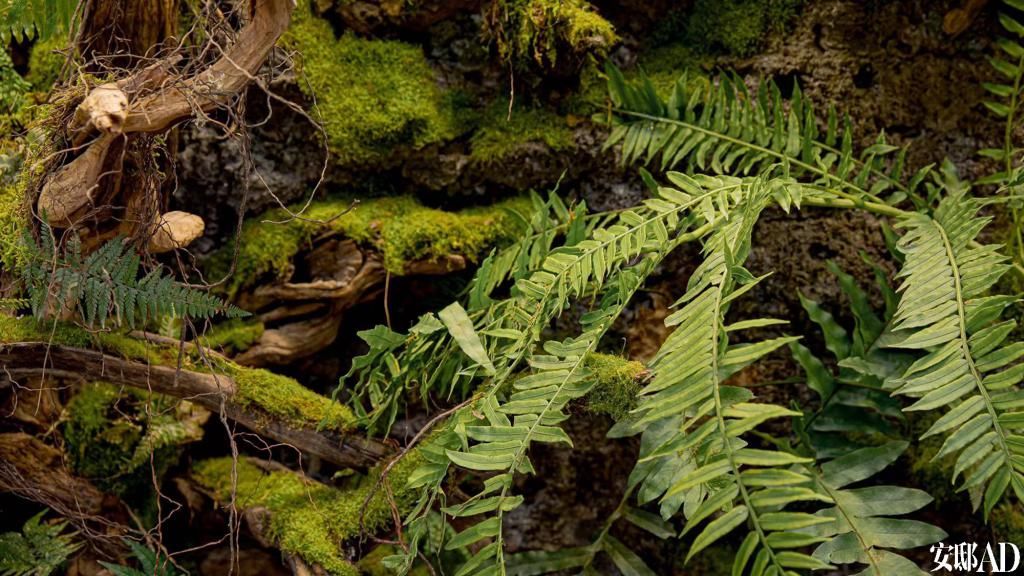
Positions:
{"x": 45, "y": 63}
{"x": 400, "y": 228}
{"x": 499, "y": 136}
{"x": 113, "y": 435}
{"x": 372, "y": 95}
{"x": 535, "y": 30}
{"x": 618, "y": 383}
{"x": 730, "y": 27}
{"x": 309, "y": 519}
{"x": 234, "y": 336}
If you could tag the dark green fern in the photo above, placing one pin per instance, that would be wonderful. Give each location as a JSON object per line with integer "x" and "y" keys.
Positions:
{"x": 105, "y": 285}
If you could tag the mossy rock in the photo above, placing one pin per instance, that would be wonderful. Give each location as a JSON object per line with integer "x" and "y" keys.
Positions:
{"x": 400, "y": 228}
{"x": 500, "y": 136}
{"x": 538, "y": 31}
{"x": 309, "y": 519}
{"x": 727, "y": 27}
{"x": 373, "y": 96}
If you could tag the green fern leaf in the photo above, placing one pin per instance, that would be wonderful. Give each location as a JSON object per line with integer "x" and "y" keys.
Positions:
{"x": 968, "y": 369}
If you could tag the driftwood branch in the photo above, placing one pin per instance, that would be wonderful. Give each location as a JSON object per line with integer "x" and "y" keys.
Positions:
{"x": 210, "y": 391}
{"x": 222, "y": 81}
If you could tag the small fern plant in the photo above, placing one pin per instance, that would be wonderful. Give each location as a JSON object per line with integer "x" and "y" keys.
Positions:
{"x": 40, "y": 549}
{"x": 104, "y": 287}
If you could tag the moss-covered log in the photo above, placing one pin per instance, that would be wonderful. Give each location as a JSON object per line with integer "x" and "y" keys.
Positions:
{"x": 267, "y": 403}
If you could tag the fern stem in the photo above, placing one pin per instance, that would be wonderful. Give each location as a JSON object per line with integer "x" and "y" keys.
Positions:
{"x": 723, "y": 430}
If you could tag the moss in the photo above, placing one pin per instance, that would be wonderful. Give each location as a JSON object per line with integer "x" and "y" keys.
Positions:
{"x": 1007, "y": 522}
{"x": 279, "y": 396}
{"x": 664, "y": 65}
{"x": 306, "y": 518}
{"x": 233, "y": 336}
{"x": 400, "y": 228}
{"x": 499, "y": 136}
{"x": 536, "y": 30}
{"x": 373, "y": 95}
{"x": 45, "y": 63}
{"x": 112, "y": 433}
{"x": 736, "y": 27}
{"x": 287, "y": 400}
{"x": 618, "y": 382}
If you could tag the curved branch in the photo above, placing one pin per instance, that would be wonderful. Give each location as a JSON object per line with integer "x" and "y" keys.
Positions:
{"x": 210, "y": 391}
{"x": 220, "y": 82}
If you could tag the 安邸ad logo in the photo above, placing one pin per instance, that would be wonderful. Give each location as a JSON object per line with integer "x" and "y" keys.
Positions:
{"x": 968, "y": 557}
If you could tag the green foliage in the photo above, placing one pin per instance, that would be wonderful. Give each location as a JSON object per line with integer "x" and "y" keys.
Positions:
{"x": 400, "y": 228}
{"x": 425, "y": 358}
{"x": 150, "y": 564}
{"x": 945, "y": 311}
{"x": 858, "y": 528}
{"x": 45, "y": 63}
{"x": 233, "y": 336}
{"x": 306, "y": 518}
{"x": 1009, "y": 66}
{"x": 854, "y": 409}
{"x": 373, "y": 95}
{"x": 21, "y": 19}
{"x": 40, "y": 549}
{"x": 12, "y": 86}
{"x": 538, "y": 30}
{"x": 736, "y": 27}
{"x": 499, "y": 137}
{"x": 723, "y": 128}
{"x": 104, "y": 285}
{"x": 112, "y": 433}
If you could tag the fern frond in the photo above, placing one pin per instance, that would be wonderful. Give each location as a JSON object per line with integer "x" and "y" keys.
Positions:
{"x": 854, "y": 407}
{"x": 105, "y": 285}
{"x": 860, "y": 527}
{"x": 513, "y": 325}
{"x": 944, "y": 311}
{"x": 531, "y": 413}
{"x": 692, "y": 451}
{"x": 724, "y": 128}
{"x": 23, "y": 19}
{"x": 1009, "y": 66}
{"x": 38, "y": 550}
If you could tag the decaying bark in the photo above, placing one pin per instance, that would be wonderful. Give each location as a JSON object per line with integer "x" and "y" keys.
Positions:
{"x": 309, "y": 314}
{"x": 214, "y": 392}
